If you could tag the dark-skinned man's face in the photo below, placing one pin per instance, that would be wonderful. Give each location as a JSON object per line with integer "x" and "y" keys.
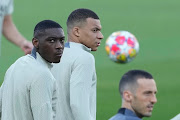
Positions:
{"x": 51, "y": 44}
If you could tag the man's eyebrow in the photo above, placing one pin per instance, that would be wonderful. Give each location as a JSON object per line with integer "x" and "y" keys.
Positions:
{"x": 62, "y": 37}
{"x": 57, "y": 37}
{"x": 97, "y": 28}
{"x": 149, "y": 91}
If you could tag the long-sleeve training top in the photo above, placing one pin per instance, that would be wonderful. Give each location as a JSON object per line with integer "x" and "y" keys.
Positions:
{"x": 76, "y": 78}
{"x": 29, "y": 90}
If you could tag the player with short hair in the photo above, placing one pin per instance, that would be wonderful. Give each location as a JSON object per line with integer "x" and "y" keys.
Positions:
{"x": 76, "y": 75}
{"x": 8, "y": 28}
{"x": 29, "y": 90}
{"x": 138, "y": 91}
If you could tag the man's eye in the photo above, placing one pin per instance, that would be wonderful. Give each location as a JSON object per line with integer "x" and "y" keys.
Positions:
{"x": 52, "y": 40}
{"x": 148, "y": 93}
{"x": 61, "y": 41}
{"x": 94, "y": 30}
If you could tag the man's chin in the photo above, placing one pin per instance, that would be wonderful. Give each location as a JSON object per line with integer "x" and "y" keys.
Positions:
{"x": 148, "y": 115}
{"x": 57, "y": 61}
{"x": 141, "y": 115}
{"x": 95, "y": 49}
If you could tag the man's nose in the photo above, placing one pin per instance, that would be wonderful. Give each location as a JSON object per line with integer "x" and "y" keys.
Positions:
{"x": 59, "y": 45}
{"x": 100, "y": 35}
{"x": 154, "y": 99}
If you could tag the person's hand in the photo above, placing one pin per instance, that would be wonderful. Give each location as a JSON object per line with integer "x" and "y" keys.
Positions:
{"x": 27, "y": 47}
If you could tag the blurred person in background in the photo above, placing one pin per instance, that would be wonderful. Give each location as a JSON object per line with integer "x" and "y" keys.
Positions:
{"x": 138, "y": 91}
{"x": 8, "y": 28}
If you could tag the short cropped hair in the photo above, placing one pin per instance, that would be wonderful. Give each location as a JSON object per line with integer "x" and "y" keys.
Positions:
{"x": 45, "y": 24}
{"x": 78, "y": 16}
{"x": 129, "y": 80}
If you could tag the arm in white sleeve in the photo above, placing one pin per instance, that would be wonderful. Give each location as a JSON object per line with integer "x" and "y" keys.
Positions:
{"x": 43, "y": 97}
{"x": 80, "y": 86}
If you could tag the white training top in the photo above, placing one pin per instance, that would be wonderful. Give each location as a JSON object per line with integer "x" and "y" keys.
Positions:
{"x": 6, "y": 8}
{"x": 76, "y": 78}
{"x": 29, "y": 90}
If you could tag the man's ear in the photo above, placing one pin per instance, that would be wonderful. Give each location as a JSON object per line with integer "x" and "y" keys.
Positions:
{"x": 76, "y": 31}
{"x": 35, "y": 43}
{"x": 128, "y": 96}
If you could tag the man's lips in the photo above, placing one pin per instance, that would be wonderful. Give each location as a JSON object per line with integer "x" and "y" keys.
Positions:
{"x": 59, "y": 54}
{"x": 150, "y": 107}
{"x": 99, "y": 43}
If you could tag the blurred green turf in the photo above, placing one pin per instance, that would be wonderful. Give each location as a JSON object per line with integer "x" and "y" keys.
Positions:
{"x": 156, "y": 25}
